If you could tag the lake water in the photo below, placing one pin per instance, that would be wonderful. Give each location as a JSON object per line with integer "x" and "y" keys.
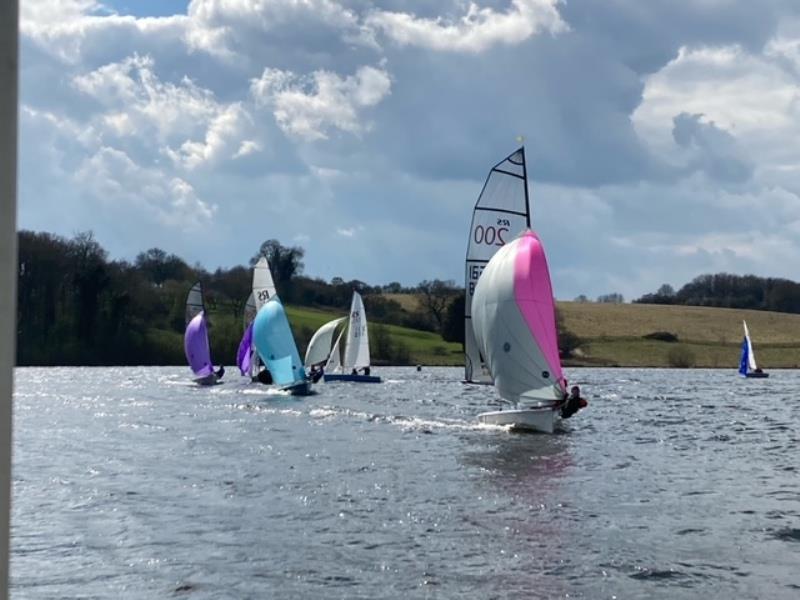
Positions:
{"x": 129, "y": 483}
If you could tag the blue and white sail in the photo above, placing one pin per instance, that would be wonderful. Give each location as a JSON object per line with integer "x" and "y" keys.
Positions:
{"x": 275, "y": 344}
{"x": 744, "y": 359}
{"x": 747, "y": 363}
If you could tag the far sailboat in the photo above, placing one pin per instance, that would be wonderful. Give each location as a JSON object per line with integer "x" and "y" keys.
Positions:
{"x": 513, "y": 315}
{"x": 195, "y": 341}
{"x": 356, "y": 353}
{"x": 275, "y": 344}
{"x": 747, "y": 363}
{"x": 501, "y": 213}
{"x": 262, "y": 290}
{"x": 320, "y": 352}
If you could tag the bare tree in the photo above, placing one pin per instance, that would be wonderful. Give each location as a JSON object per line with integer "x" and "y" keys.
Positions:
{"x": 435, "y": 296}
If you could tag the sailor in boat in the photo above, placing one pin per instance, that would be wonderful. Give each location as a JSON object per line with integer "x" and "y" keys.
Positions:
{"x": 366, "y": 371}
{"x": 573, "y": 402}
{"x": 220, "y": 372}
{"x": 264, "y": 376}
{"x": 317, "y": 371}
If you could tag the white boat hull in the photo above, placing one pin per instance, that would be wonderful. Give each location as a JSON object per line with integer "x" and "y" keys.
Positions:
{"x": 529, "y": 419}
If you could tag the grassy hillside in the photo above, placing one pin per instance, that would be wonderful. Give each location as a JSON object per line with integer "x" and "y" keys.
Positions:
{"x": 423, "y": 347}
{"x": 612, "y": 334}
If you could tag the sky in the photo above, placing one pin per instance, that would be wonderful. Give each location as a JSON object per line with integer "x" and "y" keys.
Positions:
{"x": 662, "y": 137}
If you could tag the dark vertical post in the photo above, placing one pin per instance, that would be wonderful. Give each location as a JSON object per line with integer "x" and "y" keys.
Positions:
{"x": 9, "y": 73}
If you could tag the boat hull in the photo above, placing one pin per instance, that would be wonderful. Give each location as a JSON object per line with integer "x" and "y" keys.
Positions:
{"x": 210, "y": 379}
{"x": 333, "y": 377}
{"x": 757, "y": 375}
{"x": 530, "y": 419}
{"x": 302, "y": 388}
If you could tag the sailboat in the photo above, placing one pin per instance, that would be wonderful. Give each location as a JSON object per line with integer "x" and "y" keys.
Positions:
{"x": 356, "y": 351}
{"x": 320, "y": 353}
{"x": 501, "y": 213}
{"x": 263, "y": 289}
{"x": 195, "y": 340}
{"x": 513, "y": 316}
{"x": 747, "y": 363}
{"x": 275, "y": 345}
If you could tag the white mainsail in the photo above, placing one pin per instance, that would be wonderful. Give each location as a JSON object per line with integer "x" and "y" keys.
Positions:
{"x": 194, "y": 301}
{"x": 501, "y": 213}
{"x": 356, "y": 354}
{"x": 751, "y": 357}
{"x": 263, "y": 286}
{"x": 319, "y": 348}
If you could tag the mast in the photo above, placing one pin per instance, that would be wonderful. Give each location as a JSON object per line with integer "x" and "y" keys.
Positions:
{"x": 525, "y": 177}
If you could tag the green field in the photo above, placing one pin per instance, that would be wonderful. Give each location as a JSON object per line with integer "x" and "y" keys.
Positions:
{"x": 612, "y": 334}
{"x": 423, "y": 347}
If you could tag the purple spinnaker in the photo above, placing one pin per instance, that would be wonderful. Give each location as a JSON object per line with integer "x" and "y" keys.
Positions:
{"x": 244, "y": 357}
{"x": 195, "y": 343}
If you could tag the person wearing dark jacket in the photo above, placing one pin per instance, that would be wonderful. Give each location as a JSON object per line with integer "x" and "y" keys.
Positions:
{"x": 573, "y": 403}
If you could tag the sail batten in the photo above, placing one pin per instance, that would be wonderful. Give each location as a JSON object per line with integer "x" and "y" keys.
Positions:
{"x": 500, "y": 214}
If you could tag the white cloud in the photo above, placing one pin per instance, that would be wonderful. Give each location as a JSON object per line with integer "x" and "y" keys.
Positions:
{"x": 223, "y": 135}
{"x": 672, "y": 129}
{"x": 218, "y": 26}
{"x": 113, "y": 177}
{"x": 308, "y": 108}
{"x": 478, "y": 30}
{"x": 755, "y": 98}
{"x": 38, "y": 12}
{"x": 348, "y": 232}
{"x": 139, "y": 103}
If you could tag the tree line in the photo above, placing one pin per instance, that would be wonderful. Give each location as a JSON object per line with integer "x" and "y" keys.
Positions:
{"x": 725, "y": 290}
{"x": 77, "y": 307}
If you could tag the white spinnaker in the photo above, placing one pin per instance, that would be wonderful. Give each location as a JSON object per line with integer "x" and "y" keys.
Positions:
{"x": 334, "y": 363}
{"x": 194, "y": 301}
{"x": 356, "y": 353}
{"x": 263, "y": 286}
{"x": 520, "y": 369}
{"x": 501, "y": 213}
{"x": 319, "y": 348}
{"x": 751, "y": 357}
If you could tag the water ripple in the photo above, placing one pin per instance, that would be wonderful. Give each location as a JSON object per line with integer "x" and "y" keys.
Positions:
{"x": 134, "y": 483}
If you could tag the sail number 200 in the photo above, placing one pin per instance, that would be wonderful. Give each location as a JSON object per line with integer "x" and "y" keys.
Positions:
{"x": 489, "y": 235}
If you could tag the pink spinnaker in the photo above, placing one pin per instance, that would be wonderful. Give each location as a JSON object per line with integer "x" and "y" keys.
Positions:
{"x": 533, "y": 293}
